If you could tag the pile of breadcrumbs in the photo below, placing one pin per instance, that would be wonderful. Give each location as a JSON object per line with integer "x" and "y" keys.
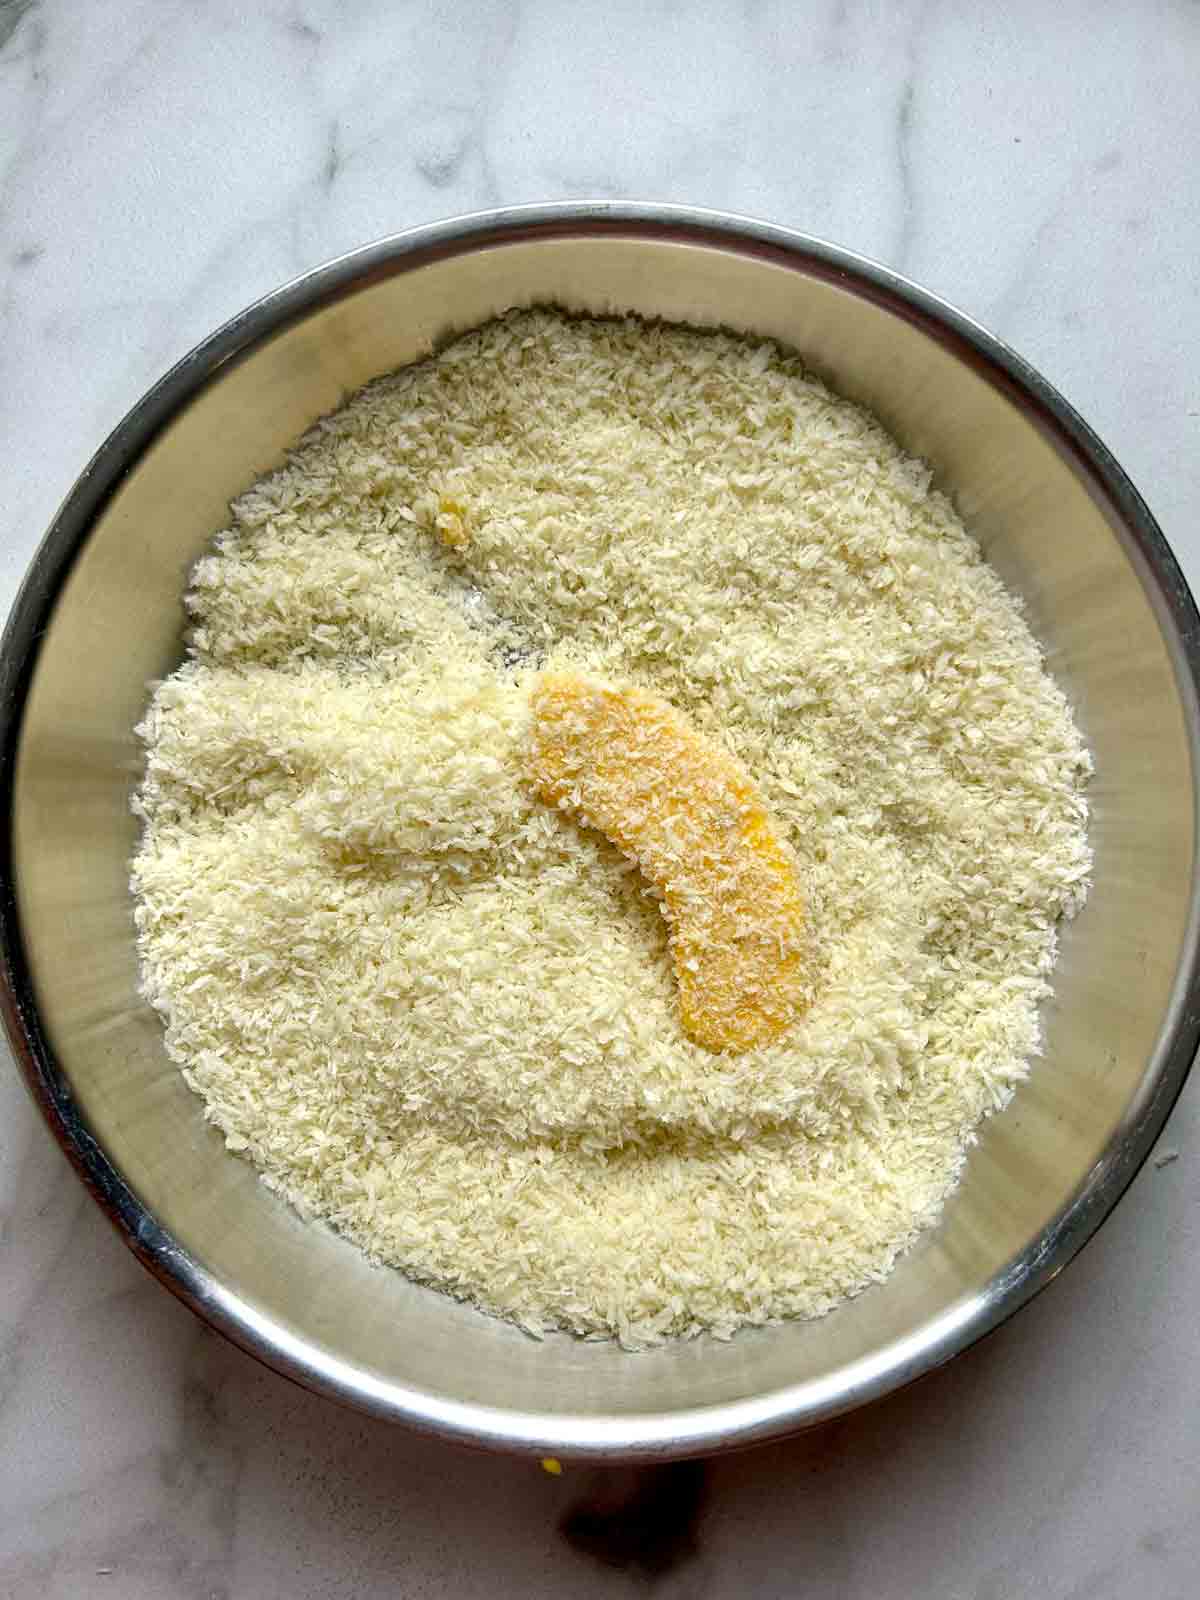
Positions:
{"x": 438, "y": 1012}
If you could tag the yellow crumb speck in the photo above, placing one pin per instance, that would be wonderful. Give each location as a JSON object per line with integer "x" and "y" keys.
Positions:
{"x": 451, "y": 523}
{"x": 553, "y": 1466}
{"x": 628, "y": 763}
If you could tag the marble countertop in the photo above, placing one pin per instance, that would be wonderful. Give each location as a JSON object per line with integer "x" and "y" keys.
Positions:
{"x": 162, "y": 163}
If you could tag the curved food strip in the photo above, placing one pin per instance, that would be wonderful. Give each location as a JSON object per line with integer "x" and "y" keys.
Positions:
{"x": 626, "y": 762}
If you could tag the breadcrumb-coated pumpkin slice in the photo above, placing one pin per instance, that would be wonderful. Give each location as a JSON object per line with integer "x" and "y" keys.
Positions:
{"x": 628, "y": 763}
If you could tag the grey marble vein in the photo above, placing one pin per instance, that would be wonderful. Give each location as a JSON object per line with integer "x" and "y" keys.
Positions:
{"x": 11, "y": 14}
{"x": 907, "y": 128}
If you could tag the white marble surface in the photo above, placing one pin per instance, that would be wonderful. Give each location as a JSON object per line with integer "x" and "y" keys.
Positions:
{"x": 162, "y": 162}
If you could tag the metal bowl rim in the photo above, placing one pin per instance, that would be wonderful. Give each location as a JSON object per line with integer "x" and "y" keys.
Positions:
{"x": 646, "y": 1436}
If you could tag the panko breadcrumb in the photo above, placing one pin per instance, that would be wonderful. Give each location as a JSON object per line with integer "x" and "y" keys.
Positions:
{"x": 440, "y": 1014}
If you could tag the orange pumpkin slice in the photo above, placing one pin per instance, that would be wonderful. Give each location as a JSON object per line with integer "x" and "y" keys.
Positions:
{"x": 626, "y": 762}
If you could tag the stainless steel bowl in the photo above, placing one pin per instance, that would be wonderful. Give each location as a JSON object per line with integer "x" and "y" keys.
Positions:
{"x": 99, "y": 617}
